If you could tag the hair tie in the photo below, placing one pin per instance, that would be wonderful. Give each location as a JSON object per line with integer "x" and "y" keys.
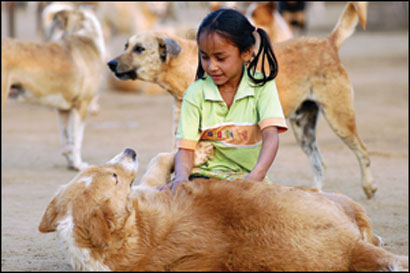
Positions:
{"x": 257, "y": 44}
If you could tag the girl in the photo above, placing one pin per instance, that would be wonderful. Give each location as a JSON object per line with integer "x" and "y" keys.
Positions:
{"x": 230, "y": 104}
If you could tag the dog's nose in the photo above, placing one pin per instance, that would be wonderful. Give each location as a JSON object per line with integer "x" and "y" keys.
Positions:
{"x": 113, "y": 65}
{"x": 131, "y": 153}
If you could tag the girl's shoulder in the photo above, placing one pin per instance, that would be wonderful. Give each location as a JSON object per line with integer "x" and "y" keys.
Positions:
{"x": 258, "y": 88}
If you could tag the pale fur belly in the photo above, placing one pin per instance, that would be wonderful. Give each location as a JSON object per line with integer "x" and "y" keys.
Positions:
{"x": 54, "y": 100}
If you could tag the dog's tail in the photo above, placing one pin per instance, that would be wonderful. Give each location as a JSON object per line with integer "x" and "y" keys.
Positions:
{"x": 367, "y": 257}
{"x": 353, "y": 12}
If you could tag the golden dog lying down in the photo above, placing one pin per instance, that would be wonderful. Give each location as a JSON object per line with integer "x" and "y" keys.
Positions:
{"x": 207, "y": 225}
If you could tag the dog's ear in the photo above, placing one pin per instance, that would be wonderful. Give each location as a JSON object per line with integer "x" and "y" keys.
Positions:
{"x": 60, "y": 19}
{"x": 48, "y": 222}
{"x": 99, "y": 223}
{"x": 167, "y": 47}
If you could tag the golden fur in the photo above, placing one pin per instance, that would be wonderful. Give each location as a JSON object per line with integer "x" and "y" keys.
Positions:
{"x": 64, "y": 74}
{"x": 266, "y": 16}
{"x": 311, "y": 78}
{"x": 209, "y": 225}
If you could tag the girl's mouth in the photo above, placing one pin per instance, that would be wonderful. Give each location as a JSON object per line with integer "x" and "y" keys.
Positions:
{"x": 216, "y": 77}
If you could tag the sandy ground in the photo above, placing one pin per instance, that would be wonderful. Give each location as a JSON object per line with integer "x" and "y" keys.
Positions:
{"x": 33, "y": 168}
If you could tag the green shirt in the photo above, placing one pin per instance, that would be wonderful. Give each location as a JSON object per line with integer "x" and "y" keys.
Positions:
{"x": 235, "y": 132}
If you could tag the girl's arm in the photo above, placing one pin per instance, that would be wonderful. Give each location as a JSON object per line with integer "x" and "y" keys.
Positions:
{"x": 270, "y": 145}
{"x": 184, "y": 162}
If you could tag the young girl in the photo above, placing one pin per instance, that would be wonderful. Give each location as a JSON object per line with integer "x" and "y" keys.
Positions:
{"x": 230, "y": 104}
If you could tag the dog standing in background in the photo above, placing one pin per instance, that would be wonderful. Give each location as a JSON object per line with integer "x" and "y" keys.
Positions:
{"x": 64, "y": 74}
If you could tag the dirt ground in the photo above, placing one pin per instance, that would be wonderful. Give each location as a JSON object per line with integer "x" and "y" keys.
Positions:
{"x": 33, "y": 167}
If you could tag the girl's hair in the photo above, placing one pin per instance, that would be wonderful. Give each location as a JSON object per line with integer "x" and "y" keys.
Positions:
{"x": 235, "y": 27}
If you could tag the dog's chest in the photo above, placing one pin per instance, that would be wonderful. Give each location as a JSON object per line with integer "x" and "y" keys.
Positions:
{"x": 80, "y": 258}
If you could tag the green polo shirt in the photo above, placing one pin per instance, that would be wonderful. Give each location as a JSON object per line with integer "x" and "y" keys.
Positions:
{"x": 235, "y": 132}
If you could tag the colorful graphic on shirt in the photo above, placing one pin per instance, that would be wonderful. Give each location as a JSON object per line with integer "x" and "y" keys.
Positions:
{"x": 234, "y": 135}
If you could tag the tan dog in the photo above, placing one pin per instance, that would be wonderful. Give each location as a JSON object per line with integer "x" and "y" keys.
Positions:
{"x": 311, "y": 78}
{"x": 64, "y": 74}
{"x": 266, "y": 16}
{"x": 209, "y": 225}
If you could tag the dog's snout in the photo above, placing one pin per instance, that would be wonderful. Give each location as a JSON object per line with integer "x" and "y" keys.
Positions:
{"x": 113, "y": 65}
{"x": 131, "y": 153}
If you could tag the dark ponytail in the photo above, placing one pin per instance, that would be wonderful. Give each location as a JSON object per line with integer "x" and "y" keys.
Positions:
{"x": 265, "y": 53}
{"x": 235, "y": 27}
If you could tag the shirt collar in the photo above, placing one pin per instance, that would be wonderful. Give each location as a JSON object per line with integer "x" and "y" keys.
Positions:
{"x": 244, "y": 89}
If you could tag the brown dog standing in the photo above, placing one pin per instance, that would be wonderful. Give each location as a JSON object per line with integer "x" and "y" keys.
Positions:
{"x": 311, "y": 78}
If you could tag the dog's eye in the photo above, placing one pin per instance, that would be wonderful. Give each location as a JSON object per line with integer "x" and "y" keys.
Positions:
{"x": 139, "y": 49}
{"x": 116, "y": 178}
{"x": 126, "y": 46}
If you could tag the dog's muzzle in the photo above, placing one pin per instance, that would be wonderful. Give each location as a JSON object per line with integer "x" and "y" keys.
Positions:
{"x": 131, "y": 153}
{"x": 129, "y": 75}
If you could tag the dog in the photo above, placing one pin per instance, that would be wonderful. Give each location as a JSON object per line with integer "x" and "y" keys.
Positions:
{"x": 106, "y": 223}
{"x": 294, "y": 13}
{"x": 267, "y": 16}
{"x": 64, "y": 74}
{"x": 311, "y": 79}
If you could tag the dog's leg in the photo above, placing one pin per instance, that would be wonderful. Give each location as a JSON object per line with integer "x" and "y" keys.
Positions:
{"x": 341, "y": 117}
{"x": 367, "y": 257}
{"x": 159, "y": 170}
{"x": 71, "y": 132}
{"x": 94, "y": 107}
{"x": 303, "y": 123}
{"x": 5, "y": 88}
{"x": 78, "y": 124}
{"x": 66, "y": 142}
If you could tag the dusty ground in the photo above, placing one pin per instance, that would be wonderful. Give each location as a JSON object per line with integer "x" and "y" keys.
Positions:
{"x": 33, "y": 168}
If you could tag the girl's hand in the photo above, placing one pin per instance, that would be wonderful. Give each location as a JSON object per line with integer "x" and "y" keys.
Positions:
{"x": 184, "y": 161}
{"x": 254, "y": 176}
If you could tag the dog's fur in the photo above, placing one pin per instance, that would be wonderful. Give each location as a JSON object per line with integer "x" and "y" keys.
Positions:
{"x": 311, "y": 78}
{"x": 64, "y": 74}
{"x": 266, "y": 16}
{"x": 209, "y": 225}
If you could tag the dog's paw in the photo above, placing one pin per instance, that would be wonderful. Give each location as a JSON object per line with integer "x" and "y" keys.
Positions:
{"x": 203, "y": 152}
{"x": 370, "y": 190}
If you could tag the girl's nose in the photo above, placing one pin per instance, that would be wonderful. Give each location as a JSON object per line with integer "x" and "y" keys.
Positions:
{"x": 212, "y": 66}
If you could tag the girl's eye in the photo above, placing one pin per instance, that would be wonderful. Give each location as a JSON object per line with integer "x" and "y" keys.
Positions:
{"x": 139, "y": 49}
{"x": 116, "y": 178}
{"x": 220, "y": 59}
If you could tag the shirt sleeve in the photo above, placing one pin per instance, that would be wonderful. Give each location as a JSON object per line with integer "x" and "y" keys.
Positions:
{"x": 270, "y": 109}
{"x": 188, "y": 133}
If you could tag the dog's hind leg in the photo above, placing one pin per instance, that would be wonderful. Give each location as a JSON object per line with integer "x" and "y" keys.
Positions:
{"x": 367, "y": 257}
{"x": 339, "y": 112}
{"x": 71, "y": 133}
{"x": 303, "y": 122}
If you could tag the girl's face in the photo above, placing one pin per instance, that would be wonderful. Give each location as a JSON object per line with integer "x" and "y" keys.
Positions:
{"x": 221, "y": 60}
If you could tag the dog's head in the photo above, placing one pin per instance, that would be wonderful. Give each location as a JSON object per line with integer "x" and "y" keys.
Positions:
{"x": 68, "y": 20}
{"x": 97, "y": 194}
{"x": 261, "y": 13}
{"x": 144, "y": 57}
